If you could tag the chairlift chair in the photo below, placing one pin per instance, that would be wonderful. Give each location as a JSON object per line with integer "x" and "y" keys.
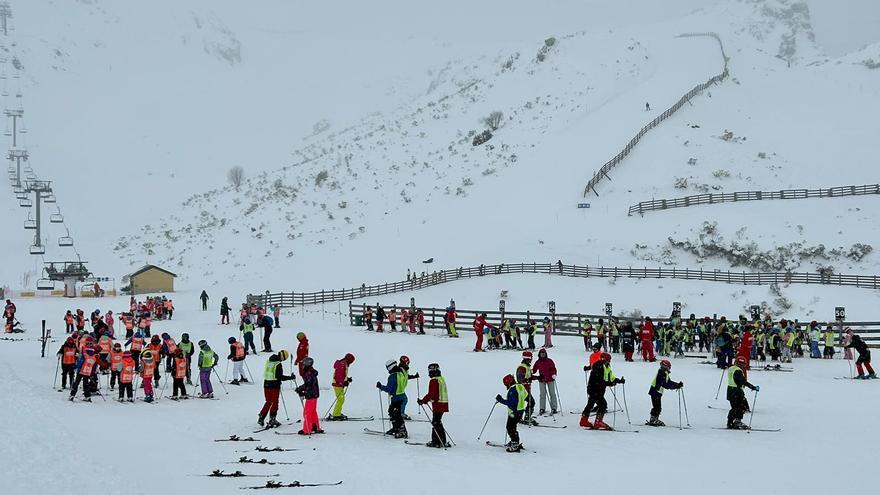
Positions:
{"x": 65, "y": 241}
{"x": 23, "y": 130}
{"x": 25, "y": 203}
{"x": 38, "y": 250}
{"x": 50, "y": 199}
{"x": 45, "y": 284}
{"x": 30, "y": 224}
{"x": 56, "y": 218}
{"x": 21, "y": 196}
{"x": 28, "y": 169}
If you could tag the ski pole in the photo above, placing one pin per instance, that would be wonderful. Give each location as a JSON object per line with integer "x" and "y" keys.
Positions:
{"x": 381, "y": 411}
{"x": 625, "y": 407}
{"x": 164, "y": 383}
{"x": 301, "y": 401}
{"x": 849, "y": 362}
{"x": 57, "y": 364}
{"x": 281, "y": 394}
{"x": 754, "y": 403}
{"x": 344, "y": 390}
{"x": 685, "y": 402}
{"x": 616, "y": 407}
{"x": 135, "y": 386}
{"x": 719, "y": 383}
{"x": 559, "y": 398}
{"x": 436, "y": 433}
{"x": 419, "y": 392}
{"x": 487, "y": 422}
{"x": 218, "y": 377}
{"x": 679, "y": 410}
{"x": 248, "y": 368}
{"x": 225, "y": 374}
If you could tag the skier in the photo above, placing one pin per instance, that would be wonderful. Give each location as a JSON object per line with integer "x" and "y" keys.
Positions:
{"x": 396, "y": 389}
{"x": 341, "y": 380}
{"x": 135, "y": 345}
{"x": 745, "y": 346}
{"x": 438, "y": 399}
{"x": 186, "y": 346}
{"x": 247, "y": 329}
{"x": 451, "y": 315}
{"x": 864, "y": 358}
{"x": 207, "y": 360}
{"x": 368, "y": 318}
{"x": 600, "y": 333}
{"x": 828, "y": 337}
{"x": 115, "y": 363}
{"x": 847, "y": 340}
{"x": 148, "y": 371}
{"x": 110, "y": 321}
{"x": 479, "y": 325}
{"x": 302, "y": 351}
{"x": 273, "y": 375}
{"x": 276, "y": 313}
{"x": 736, "y": 380}
{"x": 67, "y": 355}
{"x": 169, "y": 350}
{"x": 586, "y": 332}
{"x": 595, "y": 356}
{"x": 614, "y": 330}
{"x": 516, "y": 405}
{"x": 544, "y": 370}
{"x": 126, "y": 377}
{"x": 647, "y": 337}
{"x": 627, "y": 341}
{"x": 204, "y": 298}
{"x": 601, "y": 377}
{"x": 155, "y": 348}
{"x": 533, "y": 330}
{"x": 548, "y": 333}
{"x": 180, "y": 368}
{"x": 237, "y": 355}
{"x": 814, "y": 340}
{"x": 723, "y": 345}
{"x": 169, "y": 308}
{"x": 87, "y": 367}
{"x": 420, "y": 317}
{"x": 68, "y": 322}
{"x": 392, "y": 318}
{"x": 128, "y": 323}
{"x": 406, "y": 377}
{"x": 266, "y": 323}
{"x": 661, "y": 381}
{"x": 524, "y": 378}
{"x": 309, "y": 391}
{"x": 380, "y": 317}
{"x": 224, "y": 311}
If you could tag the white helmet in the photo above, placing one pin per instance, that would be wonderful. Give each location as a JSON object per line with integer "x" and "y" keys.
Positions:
{"x": 390, "y": 364}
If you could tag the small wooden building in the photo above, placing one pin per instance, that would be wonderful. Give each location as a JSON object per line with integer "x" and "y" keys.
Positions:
{"x": 150, "y": 279}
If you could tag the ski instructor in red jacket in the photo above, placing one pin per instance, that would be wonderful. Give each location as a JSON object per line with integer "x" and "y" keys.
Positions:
{"x": 647, "y": 336}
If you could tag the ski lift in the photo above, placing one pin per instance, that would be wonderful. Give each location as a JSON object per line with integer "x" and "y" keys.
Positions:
{"x": 56, "y": 218}
{"x": 65, "y": 241}
{"x": 30, "y": 223}
{"x": 45, "y": 284}
{"x": 28, "y": 169}
{"x": 21, "y": 196}
{"x": 49, "y": 198}
{"x": 25, "y": 203}
{"x": 23, "y": 129}
{"x": 38, "y": 250}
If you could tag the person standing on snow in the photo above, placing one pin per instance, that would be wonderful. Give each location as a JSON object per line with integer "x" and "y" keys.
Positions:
{"x": 548, "y": 333}
{"x": 237, "y": 355}
{"x": 247, "y": 329}
{"x": 87, "y": 368}
{"x": 544, "y": 370}
{"x": 586, "y": 332}
{"x": 646, "y": 334}
{"x": 420, "y": 318}
{"x": 864, "y": 357}
{"x": 207, "y": 360}
{"x": 224, "y": 311}
{"x": 395, "y": 387}
{"x": 126, "y": 377}
{"x": 627, "y": 341}
{"x": 180, "y": 368}
{"x": 479, "y": 325}
{"x": 392, "y": 318}
{"x": 204, "y": 298}
{"x": 736, "y": 380}
{"x": 148, "y": 372}
{"x": 115, "y": 363}
{"x": 273, "y": 375}
{"x": 601, "y": 377}
{"x": 266, "y": 323}
{"x": 302, "y": 351}
{"x": 451, "y": 315}
{"x": 406, "y": 377}
{"x": 309, "y": 391}
{"x": 368, "y": 318}
{"x": 661, "y": 381}
{"x": 516, "y": 399}
{"x": 186, "y": 346}
{"x": 745, "y": 346}
{"x": 380, "y": 317}
{"x": 276, "y": 313}
{"x": 814, "y": 340}
{"x": 341, "y": 380}
{"x": 438, "y": 399}
{"x": 524, "y": 378}
{"x": 533, "y": 330}
{"x": 67, "y": 356}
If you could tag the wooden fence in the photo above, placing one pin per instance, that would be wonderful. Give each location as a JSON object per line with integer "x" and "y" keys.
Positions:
{"x": 603, "y": 171}
{"x": 565, "y": 324}
{"x": 713, "y": 198}
{"x": 291, "y": 299}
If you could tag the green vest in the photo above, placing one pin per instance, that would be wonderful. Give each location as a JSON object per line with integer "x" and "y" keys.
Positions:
{"x": 533, "y": 329}
{"x": 791, "y": 339}
{"x": 402, "y": 380}
{"x": 829, "y": 339}
{"x": 527, "y": 371}
{"x": 186, "y": 347}
{"x": 248, "y": 328}
{"x": 608, "y": 374}
{"x": 206, "y": 358}
{"x": 615, "y": 331}
{"x": 441, "y": 382}
{"x": 269, "y": 370}
{"x": 733, "y": 369}
{"x": 522, "y": 396}
{"x": 654, "y": 383}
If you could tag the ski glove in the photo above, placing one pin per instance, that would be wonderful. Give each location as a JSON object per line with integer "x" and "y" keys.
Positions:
{"x": 757, "y": 388}
{"x": 420, "y": 402}
{"x": 347, "y": 381}
{"x": 379, "y": 385}
{"x": 586, "y": 368}
{"x": 680, "y": 384}
{"x": 498, "y": 398}
{"x": 621, "y": 380}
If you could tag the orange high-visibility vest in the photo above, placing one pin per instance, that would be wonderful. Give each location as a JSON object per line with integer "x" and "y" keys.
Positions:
{"x": 68, "y": 319}
{"x": 180, "y": 367}
{"x": 239, "y": 350}
{"x": 137, "y": 343}
{"x": 104, "y": 344}
{"x": 69, "y": 356}
{"x": 127, "y": 373}
{"x": 147, "y": 369}
{"x": 129, "y": 323}
{"x": 172, "y": 346}
{"x": 88, "y": 365}
{"x": 116, "y": 361}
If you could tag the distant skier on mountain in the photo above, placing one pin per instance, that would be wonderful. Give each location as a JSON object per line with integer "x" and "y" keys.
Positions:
{"x": 204, "y": 298}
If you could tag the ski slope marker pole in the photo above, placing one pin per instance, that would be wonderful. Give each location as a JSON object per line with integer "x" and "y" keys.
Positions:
{"x": 419, "y": 392}
{"x": 558, "y": 399}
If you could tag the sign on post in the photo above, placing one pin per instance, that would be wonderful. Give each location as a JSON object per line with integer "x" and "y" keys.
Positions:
{"x": 676, "y": 309}
{"x": 501, "y": 305}
{"x": 756, "y": 312}
{"x": 552, "y": 305}
{"x": 608, "y": 310}
{"x": 412, "y": 303}
{"x": 839, "y": 313}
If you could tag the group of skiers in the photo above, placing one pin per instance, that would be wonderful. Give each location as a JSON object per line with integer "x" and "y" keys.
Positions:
{"x": 509, "y": 335}
{"x": 410, "y": 318}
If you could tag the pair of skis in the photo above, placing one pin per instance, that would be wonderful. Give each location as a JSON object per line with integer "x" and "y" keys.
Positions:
{"x": 295, "y": 484}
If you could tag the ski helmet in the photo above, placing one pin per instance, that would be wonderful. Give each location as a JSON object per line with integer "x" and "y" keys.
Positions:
{"x": 508, "y": 380}
{"x": 404, "y": 361}
{"x": 300, "y": 335}
{"x": 231, "y": 340}
{"x": 597, "y": 346}
{"x": 390, "y": 364}
{"x": 283, "y": 355}
{"x": 606, "y": 357}
{"x": 185, "y": 336}
{"x": 349, "y": 358}
{"x": 665, "y": 364}
{"x": 154, "y": 339}
{"x": 527, "y": 355}
{"x": 117, "y": 345}
{"x": 433, "y": 370}
{"x": 165, "y": 336}
{"x": 308, "y": 362}
{"x": 90, "y": 351}
{"x": 741, "y": 361}
{"x": 203, "y": 343}
{"x": 138, "y": 335}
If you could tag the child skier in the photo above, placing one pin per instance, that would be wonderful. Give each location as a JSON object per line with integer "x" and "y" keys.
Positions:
{"x": 736, "y": 380}
{"x": 148, "y": 370}
{"x": 302, "y": 351}
{"x": 864, "y": 358}
{"x": 627, "y": 341}
{"x": 247, "y": 329}
{"x": 516, "y": 406}
{"x": 207, "y": 360}
{"x": 179, "y": 370}
{"x": 406, "y": 377}
{"x": 586, "y": 332}
{"x": 115, "y": 363}
{"x": 126, "y": 377}
{"x": 341, "y": 380}
{"x": 186, "y": 346}
{"x": 273, "y": 375}
{"x": 601, "y": 377}
{"x": 237, "y": 355}
{"x": 395, "y": 387}
{"x": 544, "y": 371}
{"x": 309, "y": 391}
{"x": 438, "y": 398}
{"x": 661, "y": 381}
{"x": 67, "y": 356}
{"x": 479, "y": 326}
{"x": 524, "y": 378}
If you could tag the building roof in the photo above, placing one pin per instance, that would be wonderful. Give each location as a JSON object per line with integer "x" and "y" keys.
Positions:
{"x": 150, "y": 267}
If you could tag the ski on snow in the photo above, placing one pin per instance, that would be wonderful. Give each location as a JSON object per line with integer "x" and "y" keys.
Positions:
{"x": 236, "y": 438}
{"x": 246, "y": 460}
{"x": 686, "y": 427}
{"x": 504, "y": 446}
{"x": 217, "y": 473}
{"x": 295, "y": 484}
{"x": 747, "y": 430}
{"x": 424, "y": 444}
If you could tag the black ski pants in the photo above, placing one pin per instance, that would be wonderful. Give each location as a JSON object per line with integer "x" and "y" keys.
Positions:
{"x": 656, "y": 404}
{"x": 438, "y": 433}
{"x": 512, "y": 421}
{"x": 597, "y": 400}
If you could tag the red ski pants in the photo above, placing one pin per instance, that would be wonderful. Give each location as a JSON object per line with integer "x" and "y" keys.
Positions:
{"x": 310, "y": 416}
{"x": 647, "y": 350}
{"x": 271, "y": 405}
{"x": 479, "y": 344}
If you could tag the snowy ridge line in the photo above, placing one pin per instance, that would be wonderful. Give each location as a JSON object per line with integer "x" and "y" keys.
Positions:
{"x": 712, "y": 198}
{"x": 603, "y": 171}
{"x": 291, "y": 299}
{"x": 570, "y": 324}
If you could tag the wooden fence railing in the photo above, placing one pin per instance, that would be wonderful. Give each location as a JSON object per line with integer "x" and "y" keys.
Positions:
{"x": 566, "y": 324}
{"x": 713, "y": 198}
{"x": 291, "y": 299}
{"x": 603, "y": 171}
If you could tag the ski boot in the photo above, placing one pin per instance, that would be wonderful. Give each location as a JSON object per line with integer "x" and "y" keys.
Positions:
{"x": 737, "y": 425}
{"x": 189, "y": 382}
{"x": 598, "y": 424}
{"x": 553, "y": 412}
{"x": 87, "y": 399}
{"x": 209, "y": 395}
{"x": 341, "y": 417}
{"x": 273, "y": 423}
{"x": 261, "y": 421}
{"x": 433, "y": 444}
{"x": 401, "y": 433}
{"x": 301, "y": 432}
{"x": 585, "y": 422}
{"x": 130, "y": 399}
{"x": 243, "y": 380}
{"x": 872, "y": 376}
{"x": 542, "y": 412}
{"x": 148, "y": 398}
{"x": 655, "y": 421}
{"x": 406, "y": 417}
{"x": 120, "y": 400}
{"x": 234, "y": 382}
{"x": 514, "y": 447}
